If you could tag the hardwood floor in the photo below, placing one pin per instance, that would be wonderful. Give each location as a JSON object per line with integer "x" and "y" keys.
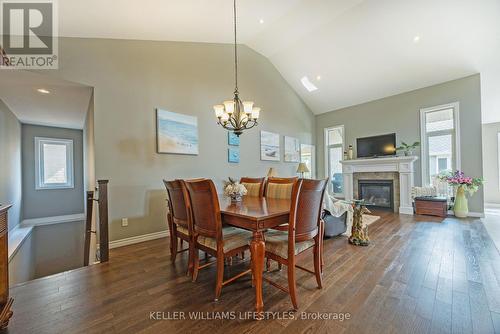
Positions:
{"x": 418, "y": 275}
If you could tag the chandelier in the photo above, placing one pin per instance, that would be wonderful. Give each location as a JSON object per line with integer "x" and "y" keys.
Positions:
{"x": 235, "y": 115}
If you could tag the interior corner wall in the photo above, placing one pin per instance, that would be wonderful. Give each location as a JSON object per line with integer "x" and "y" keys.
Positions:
{"x": 10, "y": 164}
{"x": 51, "y": 202}
{"x": 491, "y": 163}
{"x": 132, "y": 78}
{"x": 401, "y": 114}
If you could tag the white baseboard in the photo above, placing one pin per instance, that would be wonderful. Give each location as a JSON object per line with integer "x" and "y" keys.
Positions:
{"x": 471, "y": 214}
{"x": 53, "y": 220}
{"x": 138, "y": 239}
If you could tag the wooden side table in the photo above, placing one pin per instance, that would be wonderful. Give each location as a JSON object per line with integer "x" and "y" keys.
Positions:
{"x": 431, "y": 206}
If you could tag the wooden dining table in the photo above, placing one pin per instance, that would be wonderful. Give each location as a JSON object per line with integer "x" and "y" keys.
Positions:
{"x": 256, "y": 214}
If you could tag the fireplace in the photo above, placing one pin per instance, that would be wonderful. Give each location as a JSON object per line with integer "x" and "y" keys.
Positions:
{"x": 379, "y": 193}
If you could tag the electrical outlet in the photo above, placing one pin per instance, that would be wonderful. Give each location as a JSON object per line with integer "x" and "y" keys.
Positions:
{"x": 124, "y": 222}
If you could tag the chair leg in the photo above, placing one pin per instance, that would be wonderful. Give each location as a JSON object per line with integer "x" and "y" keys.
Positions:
{"x": 291, "y": 285}
{"x": 174, "y": 248}
{"x": 321, "y": 244}
{"x": 317, "y": 264}
{"x": 196, "y": 264}
{"x": 220, "y": 276}
{"x": 190, "y": 259}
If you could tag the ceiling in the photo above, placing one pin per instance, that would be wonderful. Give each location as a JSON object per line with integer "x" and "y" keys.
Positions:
{"x": 362, "y": 49}
{"x": 65, "y": 106}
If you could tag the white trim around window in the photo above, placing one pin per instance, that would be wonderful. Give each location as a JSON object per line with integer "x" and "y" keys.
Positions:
{"x": 423, "y": 138}
{"x": 327, "y": 157}
{"x": 40, "y": 182}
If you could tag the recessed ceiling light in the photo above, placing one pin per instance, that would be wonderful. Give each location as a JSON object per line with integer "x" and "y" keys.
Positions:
{"x": 43, "y": 91}
{"x": 318, "y": 77}
{"x": 261, "y": 21}
{"x": 308, "y": 84}
{"x": 416, "y": 39}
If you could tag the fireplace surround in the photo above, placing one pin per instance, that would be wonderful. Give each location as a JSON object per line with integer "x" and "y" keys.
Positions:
{"x": 378, "y": 193}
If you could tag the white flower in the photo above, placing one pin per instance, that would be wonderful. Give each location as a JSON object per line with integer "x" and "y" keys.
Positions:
{"x": 234, "y": 189}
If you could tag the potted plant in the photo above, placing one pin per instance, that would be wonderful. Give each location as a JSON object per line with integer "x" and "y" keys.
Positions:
{"x": 462, "y": 184}
{"x": 408, "y": 149}
{"x": 234, "y": 190}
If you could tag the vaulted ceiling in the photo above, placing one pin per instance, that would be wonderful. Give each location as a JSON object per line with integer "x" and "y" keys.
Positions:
{"x": 354, "y": 51}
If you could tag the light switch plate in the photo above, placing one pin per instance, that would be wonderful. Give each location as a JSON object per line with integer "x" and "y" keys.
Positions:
{"x": 124, "y": 222}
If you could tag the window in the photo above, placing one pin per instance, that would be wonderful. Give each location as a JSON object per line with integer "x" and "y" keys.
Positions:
{"x": 307, "y": 156}
{"x": 54, "y": 163}
{"x": 334, "y": 153}
{"x": 440, "y": 141}
{"x": 498, "y": 156}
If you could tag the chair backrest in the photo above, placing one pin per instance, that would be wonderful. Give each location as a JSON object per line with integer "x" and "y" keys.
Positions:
{"x": 205, "y": 209}
{"x": 280, "y": 187}
{"x": 305, "y": 211}
{"x": 254, "y": 185}
{"x": 176, "y": 202}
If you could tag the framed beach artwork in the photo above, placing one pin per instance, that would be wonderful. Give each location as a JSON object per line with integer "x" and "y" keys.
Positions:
{"x": 269, "y": 146}
{"x": 233, "y": 139}
{"x": 233, "y": 154}
{"x": 176, "y": 133}
{"x": 292, "y": 149}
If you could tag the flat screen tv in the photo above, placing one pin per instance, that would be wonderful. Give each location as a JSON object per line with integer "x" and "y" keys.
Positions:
{"x": 377, "y": 146}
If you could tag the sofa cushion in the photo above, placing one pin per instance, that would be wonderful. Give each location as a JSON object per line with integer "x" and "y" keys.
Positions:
{"x": 277, "y": 243}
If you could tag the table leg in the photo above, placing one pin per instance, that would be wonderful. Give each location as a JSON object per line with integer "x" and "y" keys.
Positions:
{"x": 258, "y": 249}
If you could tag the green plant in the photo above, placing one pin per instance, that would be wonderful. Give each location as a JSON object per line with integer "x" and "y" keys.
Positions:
{"x": 407, "y": 148}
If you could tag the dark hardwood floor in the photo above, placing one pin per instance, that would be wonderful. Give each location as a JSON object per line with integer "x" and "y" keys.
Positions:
{"x": 419, "y": 275}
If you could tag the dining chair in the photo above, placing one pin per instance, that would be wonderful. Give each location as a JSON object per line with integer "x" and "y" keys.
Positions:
{"x": 178, "y": 220}
{"x": 279, "y": 187}
{"x": 254, "y": 185}
{"x": 305, "y": 231}
{"x": 209, "y": 235}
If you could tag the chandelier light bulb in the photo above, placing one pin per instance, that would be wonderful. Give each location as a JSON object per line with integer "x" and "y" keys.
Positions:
{"x": 219, "y": 110}
{"x": 247, "y": 106}
{"x": 255, "y": 113}
{"x": 229, "y": 105}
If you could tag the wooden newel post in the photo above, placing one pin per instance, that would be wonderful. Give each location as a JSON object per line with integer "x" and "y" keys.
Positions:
{"x": 88, "y": 227}
{"x": 103, "y": 220}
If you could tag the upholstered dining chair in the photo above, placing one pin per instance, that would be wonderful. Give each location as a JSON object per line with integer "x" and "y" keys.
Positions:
{"x": 178, "y": 221}
{"x": 208, "y": 233}
{"x": 280, "y": 187}
{"x": 254, "y": 185}
{"x": 305, "y": 231}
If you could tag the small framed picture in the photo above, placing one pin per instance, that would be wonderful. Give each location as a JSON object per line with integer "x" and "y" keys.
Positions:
{"x": 233, "y": 154}
{"x": 233, "y": 139}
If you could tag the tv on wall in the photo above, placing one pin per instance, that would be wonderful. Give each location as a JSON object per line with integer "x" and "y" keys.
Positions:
{"x": 372, "y": 147}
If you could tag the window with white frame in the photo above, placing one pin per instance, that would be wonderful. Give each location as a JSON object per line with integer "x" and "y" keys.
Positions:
{"x": 498, "y": 156}
{"x": 440, "y": 137}
{"x": 334, "y": 153}
{"x": 54, "y": 163}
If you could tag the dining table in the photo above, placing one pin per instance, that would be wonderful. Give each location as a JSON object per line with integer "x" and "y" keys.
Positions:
{"x": 256, "y": 214}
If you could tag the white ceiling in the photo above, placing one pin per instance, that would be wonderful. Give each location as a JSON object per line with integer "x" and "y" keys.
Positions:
{"x": 362, "y": 49}
{"x": 66, "y": 105}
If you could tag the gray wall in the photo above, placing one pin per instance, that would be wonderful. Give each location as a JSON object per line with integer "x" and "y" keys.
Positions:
{"x": 400, "y": 114}
{"x": 132, "y": 78}
{"x": 10, "y": 163}
{"x": 50, "y": 202}
{"x": 491, "y": 167}
{"x": 58, "y": 248}
{"x": 22, "y": 265}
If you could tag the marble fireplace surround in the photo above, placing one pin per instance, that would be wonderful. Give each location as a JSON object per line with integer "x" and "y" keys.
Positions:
{"x": 398, "y": 169}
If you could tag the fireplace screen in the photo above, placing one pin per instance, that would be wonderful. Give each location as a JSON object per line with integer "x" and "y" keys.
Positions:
{"x": 379, "y": 193}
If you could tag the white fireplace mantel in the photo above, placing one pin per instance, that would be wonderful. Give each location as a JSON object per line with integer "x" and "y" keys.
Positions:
{"x": 402, "y": 165}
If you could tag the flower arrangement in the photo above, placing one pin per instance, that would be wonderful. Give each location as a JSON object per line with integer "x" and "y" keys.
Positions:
{"x": 458, "y": 179}
{"x": 234, "y": 189}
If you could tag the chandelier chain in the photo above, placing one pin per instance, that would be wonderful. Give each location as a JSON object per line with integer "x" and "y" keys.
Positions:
{"x": 235, "y": 50}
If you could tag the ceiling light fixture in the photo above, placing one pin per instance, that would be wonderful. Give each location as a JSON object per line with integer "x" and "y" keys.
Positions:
{"x": 261, "y": 21}
{"x": 235, "y": 115}
{"x": 416, "y": 39}
{"x": 308, "y": 84}
{"x": 43, "y": 91}
{"x": 318, "y": 77}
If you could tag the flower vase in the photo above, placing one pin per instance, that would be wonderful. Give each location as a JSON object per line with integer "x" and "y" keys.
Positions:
{"x": 236, "y": 198}
{"x": 461, "y": 207}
